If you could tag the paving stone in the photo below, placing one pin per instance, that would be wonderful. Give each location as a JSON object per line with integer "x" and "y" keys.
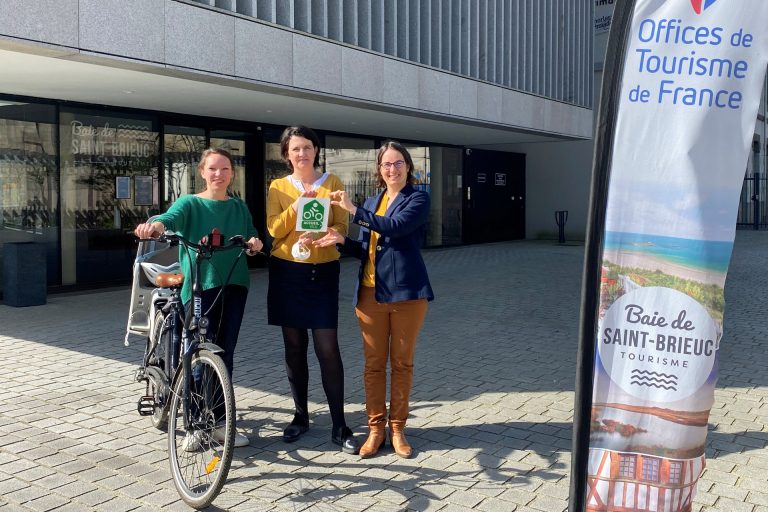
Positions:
{"x": 95, "y": 499}
{"x": 26, "y": 494}
{"x": 491, "y": 428}
{"x": 10, "y": 485}
{"x": 46, "y": 503}
{"x": 758, "y": 498}
{"x": 718, "y": 476}
{"x": 75, "y": 489}
{"x": 34, "y": 473}
{"x": 733, "y": 505}
{"x": 548, "y": 504}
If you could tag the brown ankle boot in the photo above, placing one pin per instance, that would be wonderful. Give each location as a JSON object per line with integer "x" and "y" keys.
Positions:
{"x": 375, "y": 439}
{"x": 398, "y": 440}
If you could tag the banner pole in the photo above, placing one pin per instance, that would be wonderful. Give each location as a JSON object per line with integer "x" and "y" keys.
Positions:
{"x": 585, "y": 357}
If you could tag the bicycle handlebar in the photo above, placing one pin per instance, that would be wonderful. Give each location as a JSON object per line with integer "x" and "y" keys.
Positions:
{"x": 208, "y": 244}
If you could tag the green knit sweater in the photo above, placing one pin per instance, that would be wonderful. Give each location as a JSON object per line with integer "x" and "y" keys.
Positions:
{"x": 194, "y": 217}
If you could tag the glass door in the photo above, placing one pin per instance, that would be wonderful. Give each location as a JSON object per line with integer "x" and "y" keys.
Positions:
{"x": 182, "y": 146}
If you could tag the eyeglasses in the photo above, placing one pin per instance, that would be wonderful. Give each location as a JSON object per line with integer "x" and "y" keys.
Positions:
{"x": 398, "y": 165}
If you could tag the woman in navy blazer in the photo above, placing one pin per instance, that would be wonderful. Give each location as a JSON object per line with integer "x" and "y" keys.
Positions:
{"x": 392, "y": 290}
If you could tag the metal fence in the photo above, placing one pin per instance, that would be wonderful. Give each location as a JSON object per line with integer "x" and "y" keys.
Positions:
{"x": 752, "y": 205}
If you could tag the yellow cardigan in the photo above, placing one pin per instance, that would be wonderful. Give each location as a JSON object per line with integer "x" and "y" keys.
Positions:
{"x": 281, "y": 219}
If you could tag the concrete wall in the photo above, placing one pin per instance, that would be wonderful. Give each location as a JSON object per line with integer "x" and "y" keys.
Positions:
{"x": 557, "y": 178}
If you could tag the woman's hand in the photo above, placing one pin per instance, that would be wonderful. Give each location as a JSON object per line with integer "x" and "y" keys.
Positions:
{"x": 308, "y": 193}
{"x": 305, "y": 240}
{"x": 332, "y": 237}
{"x": 149, "y": 230}
{"x": 253, "y": 246}
{"x": 340, "y": 198}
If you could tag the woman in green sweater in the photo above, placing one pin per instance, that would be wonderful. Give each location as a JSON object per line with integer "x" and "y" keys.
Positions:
{"x": 195, "y": 215}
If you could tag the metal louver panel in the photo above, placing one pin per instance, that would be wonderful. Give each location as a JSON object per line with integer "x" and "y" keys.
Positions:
{"x": 540, "y": 46}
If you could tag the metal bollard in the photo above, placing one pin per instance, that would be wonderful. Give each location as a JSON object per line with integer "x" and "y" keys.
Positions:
{"x": 561, "y": 217}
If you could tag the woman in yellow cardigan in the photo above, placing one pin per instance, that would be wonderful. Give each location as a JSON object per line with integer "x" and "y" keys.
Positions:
{"x": 304, "y": 284}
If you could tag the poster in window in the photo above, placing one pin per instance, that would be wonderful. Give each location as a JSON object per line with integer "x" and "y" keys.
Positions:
{"x": 143, "y": 190}
{"x": 122, "y": 187}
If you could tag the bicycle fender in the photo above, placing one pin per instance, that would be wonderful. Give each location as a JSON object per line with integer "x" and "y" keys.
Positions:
{"x": 211, "y": 347}
{"x": 157, "y": 374}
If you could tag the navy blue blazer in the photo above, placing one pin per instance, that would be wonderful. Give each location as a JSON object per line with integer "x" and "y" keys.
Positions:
{"x": 399, "y": 268}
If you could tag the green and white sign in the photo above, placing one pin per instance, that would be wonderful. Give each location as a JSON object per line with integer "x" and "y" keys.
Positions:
{"x": 313, "y": 214}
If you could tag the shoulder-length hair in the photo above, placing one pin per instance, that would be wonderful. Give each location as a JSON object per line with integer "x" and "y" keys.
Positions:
{"x": 391, "y": 144}
{"x": 299, "y": 131}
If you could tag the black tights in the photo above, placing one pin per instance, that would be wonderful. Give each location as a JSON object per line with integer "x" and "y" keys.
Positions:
{"x": 331, "y": 369}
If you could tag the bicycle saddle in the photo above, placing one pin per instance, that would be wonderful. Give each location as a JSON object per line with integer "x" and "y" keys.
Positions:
{"x": 161, "y": 275}
{"x": 166, "y": 280}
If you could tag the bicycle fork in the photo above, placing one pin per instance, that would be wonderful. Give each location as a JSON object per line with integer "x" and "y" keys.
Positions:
{"x": 191, "y": 345}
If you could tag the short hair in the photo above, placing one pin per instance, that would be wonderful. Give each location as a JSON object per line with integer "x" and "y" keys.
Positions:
{"x": 216, "y": 151}
{"x": 391, "y": 144}
{"x": 299, "y": 131}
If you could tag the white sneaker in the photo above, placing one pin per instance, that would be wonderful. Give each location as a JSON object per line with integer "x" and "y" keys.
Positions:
{"x": 240, "y": 438}
{"x": 192, "y": 441}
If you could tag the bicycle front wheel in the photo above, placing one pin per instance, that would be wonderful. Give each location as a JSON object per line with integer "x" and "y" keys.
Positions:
{"x": 200, "y": 449}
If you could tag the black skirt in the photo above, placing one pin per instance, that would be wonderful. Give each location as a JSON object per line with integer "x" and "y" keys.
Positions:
{"x": 303, "y": 295}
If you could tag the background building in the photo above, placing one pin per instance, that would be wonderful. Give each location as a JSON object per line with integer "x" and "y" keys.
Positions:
{"x": 105, "y": 106}
{"x": 753, "y": 205}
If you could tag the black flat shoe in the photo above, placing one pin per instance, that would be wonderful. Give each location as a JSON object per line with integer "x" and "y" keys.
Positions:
{"x": 294, "y": 431}
{"x": 346, "y": 439}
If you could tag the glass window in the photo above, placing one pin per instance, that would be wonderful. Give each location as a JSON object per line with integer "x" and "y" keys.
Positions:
{"x": 651, "y": 469}
{"x": 29, "y": 181}
{"x": 675, "y": 472}
{"x": 109, "y": 170}
{"x": 274, "y": 167}
{"x": 354, "y": 161}
{"x": 182, "y": 147}
{"x": 234, "y": 142}
{"x": 627, "y": 466}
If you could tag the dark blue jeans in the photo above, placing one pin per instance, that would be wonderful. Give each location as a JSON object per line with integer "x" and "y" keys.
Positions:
{"x": 225, "y": 318}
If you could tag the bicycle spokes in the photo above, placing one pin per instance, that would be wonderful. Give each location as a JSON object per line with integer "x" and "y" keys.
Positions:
{"x": 201, "y": 441}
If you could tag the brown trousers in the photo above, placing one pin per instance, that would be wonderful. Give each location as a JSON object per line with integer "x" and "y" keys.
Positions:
{"x": 389, "y": 334}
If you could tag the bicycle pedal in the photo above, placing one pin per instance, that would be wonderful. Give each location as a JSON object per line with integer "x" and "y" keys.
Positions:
{"x": 140, "y": 375}
{"x": 146, "y": 406}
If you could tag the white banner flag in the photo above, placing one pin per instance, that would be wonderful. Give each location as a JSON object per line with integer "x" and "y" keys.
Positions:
{"x": 688, "y": 97}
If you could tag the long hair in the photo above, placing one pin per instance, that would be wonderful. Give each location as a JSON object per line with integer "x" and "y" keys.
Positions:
{"x": 299, "y": 131}
{"x": 391, "y": 144}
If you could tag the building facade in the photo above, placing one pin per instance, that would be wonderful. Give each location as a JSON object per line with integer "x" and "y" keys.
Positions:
{"x": 105, "y": 106}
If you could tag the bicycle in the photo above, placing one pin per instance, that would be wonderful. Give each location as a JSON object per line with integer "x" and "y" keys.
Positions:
{"x": 188, "y": 388}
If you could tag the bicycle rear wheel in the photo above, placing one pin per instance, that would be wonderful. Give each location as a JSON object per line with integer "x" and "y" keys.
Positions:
{"x": 201, "y": 454}
{"x": 158, "y": 389}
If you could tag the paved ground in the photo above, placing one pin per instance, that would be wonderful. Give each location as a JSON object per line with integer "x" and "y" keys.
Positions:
{"x": 492, "y": 402}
